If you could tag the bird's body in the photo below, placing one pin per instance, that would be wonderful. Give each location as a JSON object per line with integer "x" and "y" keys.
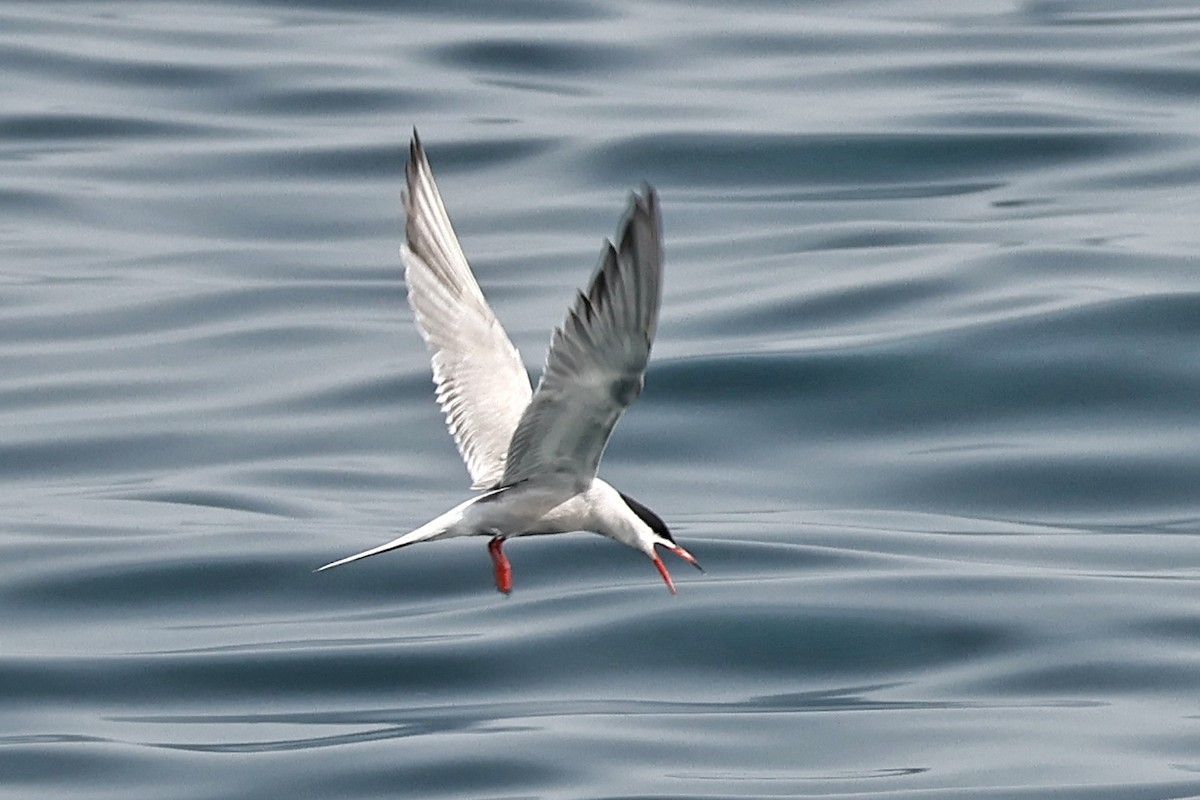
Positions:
{"x": 534, "y": 452}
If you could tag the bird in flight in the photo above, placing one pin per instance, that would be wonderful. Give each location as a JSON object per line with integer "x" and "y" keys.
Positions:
{"x": 534, "y": 452}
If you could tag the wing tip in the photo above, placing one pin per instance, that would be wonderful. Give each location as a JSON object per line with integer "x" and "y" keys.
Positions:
{"x": 645, "y": 201}
{"x": 416, "y": 159}
{"x": 643, "y": 208}
{"x": 416, "y": 150}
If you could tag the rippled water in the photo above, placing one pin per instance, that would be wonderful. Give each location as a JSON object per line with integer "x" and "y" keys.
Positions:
{"x": 923, "y": 401}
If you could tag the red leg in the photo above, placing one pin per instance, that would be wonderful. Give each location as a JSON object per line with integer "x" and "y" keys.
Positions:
{"x": 500, "y": 563}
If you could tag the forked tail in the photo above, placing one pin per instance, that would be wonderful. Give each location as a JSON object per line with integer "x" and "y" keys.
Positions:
{"x": 430, "y": 530}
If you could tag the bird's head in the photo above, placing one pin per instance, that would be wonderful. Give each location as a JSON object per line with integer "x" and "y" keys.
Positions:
{"x": 656, "y": 534}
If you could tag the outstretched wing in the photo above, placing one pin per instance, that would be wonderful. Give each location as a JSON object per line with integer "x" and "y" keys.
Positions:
{"x": 482, "y": 386}
{"x": 597, "y": 357}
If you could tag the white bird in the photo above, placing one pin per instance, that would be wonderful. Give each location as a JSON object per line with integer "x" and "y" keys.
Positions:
{"x": 535, "y": 452}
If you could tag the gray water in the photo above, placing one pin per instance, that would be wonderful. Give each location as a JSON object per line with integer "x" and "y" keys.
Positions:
{"x": 923, "y": 400}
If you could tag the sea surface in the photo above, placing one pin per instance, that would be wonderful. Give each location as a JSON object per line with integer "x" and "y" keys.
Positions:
{"x": 924, "y": 401}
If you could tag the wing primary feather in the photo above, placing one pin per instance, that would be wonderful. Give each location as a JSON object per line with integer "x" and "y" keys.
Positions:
{"x": 481, "y": 382}
{"x": 597, "y": 357}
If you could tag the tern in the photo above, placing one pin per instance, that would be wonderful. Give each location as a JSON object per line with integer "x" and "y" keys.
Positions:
{"x": 534, "y": 453}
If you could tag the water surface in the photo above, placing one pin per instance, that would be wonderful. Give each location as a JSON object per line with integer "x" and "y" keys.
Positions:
{"x": 923, "y": 401}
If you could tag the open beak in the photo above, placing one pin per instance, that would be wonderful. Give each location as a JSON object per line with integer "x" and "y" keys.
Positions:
{"x": 662, "y": 568}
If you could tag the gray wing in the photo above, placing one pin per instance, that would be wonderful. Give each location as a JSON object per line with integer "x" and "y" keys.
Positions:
{"x": 597, "y": 357}
{"x": 482, "y": 386}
